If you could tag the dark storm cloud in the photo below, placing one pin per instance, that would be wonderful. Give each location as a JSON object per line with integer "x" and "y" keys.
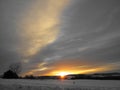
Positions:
{"x": 90, "y": 31}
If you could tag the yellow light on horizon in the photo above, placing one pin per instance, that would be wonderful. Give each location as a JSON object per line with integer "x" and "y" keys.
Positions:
{"x": 62, "y": 74}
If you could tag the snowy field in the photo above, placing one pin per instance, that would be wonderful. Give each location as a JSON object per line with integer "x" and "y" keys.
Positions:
{"x": 17, "y": 84}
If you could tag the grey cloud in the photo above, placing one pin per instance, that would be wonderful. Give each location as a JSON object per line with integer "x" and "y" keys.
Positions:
{"x": 90, "y": 31}
{"x": 10, "y": 12}
{"x": 96, "y": 23}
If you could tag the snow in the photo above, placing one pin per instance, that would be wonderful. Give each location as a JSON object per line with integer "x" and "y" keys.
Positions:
{"x": 22, "y": 84}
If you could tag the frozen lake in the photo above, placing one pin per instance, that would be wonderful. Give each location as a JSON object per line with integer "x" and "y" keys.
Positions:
{"x": 21, "y": 84}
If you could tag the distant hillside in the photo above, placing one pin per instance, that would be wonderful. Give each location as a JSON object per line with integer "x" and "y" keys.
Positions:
{"x": 101, "y": 76}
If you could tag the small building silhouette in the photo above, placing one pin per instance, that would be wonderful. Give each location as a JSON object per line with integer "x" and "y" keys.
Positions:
{"x": 10, "y": 75}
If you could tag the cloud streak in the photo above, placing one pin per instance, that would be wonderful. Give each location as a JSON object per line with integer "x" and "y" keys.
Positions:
{"x": 89, "y": 33}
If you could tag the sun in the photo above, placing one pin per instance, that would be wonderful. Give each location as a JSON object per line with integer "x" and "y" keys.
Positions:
{"x": 63, "y": 74}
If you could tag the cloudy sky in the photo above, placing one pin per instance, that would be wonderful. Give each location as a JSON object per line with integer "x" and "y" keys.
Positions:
{"x": 50, "y": 36}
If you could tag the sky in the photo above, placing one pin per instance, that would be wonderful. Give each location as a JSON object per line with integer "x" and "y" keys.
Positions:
{"x": 50, "y": 36}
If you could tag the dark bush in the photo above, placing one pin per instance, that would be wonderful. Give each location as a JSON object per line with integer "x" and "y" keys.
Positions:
{"x": 10, "y": 75}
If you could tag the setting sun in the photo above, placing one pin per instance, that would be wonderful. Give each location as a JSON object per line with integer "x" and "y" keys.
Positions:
{"x": 63, "y": 74}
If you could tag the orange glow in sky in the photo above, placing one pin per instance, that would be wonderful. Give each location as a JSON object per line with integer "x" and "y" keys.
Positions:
{"x": 62, "y": 74}
{"x": 61, "y": 71}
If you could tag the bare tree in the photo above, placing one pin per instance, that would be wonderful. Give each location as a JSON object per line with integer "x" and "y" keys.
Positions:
{"x": 16, "y": 67}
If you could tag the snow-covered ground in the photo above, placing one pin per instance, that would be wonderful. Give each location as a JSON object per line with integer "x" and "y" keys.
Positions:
{"x": 21, "y": 84}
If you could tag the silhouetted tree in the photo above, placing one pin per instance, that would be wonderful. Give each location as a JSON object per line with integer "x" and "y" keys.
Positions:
{"x": 15, "y": 67}
{"x": 29, "y": 77}
{"x": 14, "y": 70}
{"x": 10, "y": 75}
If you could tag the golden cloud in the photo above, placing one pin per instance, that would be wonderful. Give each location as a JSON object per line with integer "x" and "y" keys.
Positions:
{"x": 39, "y": 25}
